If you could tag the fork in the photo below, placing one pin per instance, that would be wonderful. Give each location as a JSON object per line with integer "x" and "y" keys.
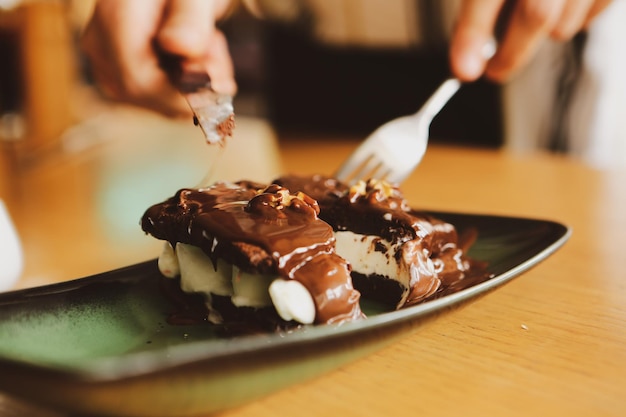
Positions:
{"x": 393, "y": 150}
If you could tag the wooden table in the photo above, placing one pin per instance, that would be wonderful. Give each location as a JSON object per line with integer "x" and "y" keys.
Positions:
{"x": 552, "y": 342}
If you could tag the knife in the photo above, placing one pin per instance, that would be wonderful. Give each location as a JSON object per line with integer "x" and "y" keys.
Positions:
{"x": 212, "y": 111}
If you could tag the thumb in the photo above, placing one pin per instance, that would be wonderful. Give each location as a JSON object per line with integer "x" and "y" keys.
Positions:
{"x": 186, "y": 28}
{"x": 188, "y": 32}
{"x": 473, "y": 32}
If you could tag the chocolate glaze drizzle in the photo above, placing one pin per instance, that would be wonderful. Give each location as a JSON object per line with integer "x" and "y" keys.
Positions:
{"x": 262, "y": 229}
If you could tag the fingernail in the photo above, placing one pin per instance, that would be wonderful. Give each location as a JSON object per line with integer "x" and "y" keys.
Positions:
{"x": 488, "y": 50}
{"x": 471, "y": 65}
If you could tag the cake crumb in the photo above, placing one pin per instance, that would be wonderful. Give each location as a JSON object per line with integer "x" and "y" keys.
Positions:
{"x": 226, "y": 127}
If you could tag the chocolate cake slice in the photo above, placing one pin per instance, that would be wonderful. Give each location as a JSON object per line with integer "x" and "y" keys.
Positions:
{"x": 398, "y": 256}
{"x": 246, "y": 246}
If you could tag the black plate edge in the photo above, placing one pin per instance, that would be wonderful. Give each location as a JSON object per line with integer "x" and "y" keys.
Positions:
{"x": 138, "y": 364}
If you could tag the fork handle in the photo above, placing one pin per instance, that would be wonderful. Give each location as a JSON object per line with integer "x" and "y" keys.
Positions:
{"x": 440, "y": 97}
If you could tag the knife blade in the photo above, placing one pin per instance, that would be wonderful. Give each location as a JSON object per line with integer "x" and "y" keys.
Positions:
{"x": 212, "y": 111}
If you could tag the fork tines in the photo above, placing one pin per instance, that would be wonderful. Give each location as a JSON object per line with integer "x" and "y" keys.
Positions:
{"x": 370, "y": 167}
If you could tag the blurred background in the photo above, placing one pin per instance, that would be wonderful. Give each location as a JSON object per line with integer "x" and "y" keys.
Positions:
{"x": 331, "y": 68}
{"x": 306, "y": 69}
{"x": 349, "y": 65}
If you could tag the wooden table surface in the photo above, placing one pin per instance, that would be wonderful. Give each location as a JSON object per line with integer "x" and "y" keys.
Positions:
{"x": 552, "y": 342}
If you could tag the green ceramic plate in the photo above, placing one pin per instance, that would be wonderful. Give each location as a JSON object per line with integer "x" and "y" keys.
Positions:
{"x": 100, "y": 345}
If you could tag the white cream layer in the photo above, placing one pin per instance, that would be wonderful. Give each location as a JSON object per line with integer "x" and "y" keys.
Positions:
{"x": 360, "y": 251}
{"x": 291, "y": 299}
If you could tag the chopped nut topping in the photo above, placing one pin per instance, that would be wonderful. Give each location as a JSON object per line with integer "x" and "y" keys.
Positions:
{"x": 279, "y": 198}
{"x": 373, "y": 190}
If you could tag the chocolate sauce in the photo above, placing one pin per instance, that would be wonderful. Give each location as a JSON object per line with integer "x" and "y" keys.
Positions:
{"x": 268, "y": 231}
{"x": 376, "y": 208}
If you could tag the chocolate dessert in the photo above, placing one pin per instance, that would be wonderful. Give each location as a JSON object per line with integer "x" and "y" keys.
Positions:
{"x": 398, "y": 256}
{"x": 304, "y": 250}
{"x": 250, "y": 248}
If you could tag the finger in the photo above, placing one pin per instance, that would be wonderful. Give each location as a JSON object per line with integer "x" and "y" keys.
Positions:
{"x": 597, "y": 8}
{"x": 186, "y": 28}
{"x": 118, "y": 44}
{"x": 572, "y": 19}
{"x": 473, "y": 31}
{"x": 142, "y": 80}
{"x": 100, "y": 49}
{"x": 530, "y": 24}
{"x": 220, "y": 65}
{"x": 188, "y": 31}
{"x": 122, "y": 58}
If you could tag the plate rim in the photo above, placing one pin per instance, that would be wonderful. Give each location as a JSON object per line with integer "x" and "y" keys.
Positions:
{"x": 137, "y": 364}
